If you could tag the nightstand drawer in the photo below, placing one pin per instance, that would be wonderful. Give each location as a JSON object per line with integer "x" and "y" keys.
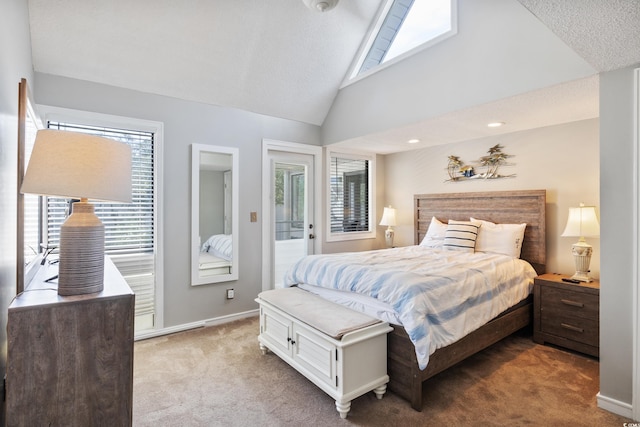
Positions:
{"x": 561, "y": 302}
{"x": 582, "y": 330}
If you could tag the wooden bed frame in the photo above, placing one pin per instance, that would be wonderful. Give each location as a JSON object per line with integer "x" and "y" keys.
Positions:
{"x": 528, "y": 206}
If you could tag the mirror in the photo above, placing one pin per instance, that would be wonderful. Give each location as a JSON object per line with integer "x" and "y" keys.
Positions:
{"x": 214, "y": 214}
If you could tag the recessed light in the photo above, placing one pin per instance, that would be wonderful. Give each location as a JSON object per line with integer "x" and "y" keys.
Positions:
{"x": 413, "y": 141}
{"x": 495, "y": 124}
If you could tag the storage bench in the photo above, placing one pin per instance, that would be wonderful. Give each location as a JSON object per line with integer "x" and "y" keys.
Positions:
{"x": 340, "y": 350}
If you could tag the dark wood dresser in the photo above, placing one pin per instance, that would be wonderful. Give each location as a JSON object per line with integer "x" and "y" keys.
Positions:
{"x": 70, "y": 359}
{"x": 567, "y": 314}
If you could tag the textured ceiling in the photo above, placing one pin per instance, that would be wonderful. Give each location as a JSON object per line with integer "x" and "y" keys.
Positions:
{"x": 606, "y": 33}
{"x": 281, "y": 59}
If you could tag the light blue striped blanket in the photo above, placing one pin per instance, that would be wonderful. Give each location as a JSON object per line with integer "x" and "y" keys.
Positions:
{"x": 439, "y": 295}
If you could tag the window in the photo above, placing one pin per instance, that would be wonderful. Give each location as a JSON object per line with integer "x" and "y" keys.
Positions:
{"x": 404, "y": 28}
{"x": 131, "y": 230}
{"x": 128, "y": 226}
{"x": 290, "y": 201}
{"x": 351, "y": 193}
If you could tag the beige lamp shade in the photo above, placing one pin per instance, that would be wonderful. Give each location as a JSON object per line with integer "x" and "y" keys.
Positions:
{"x": 388, "y": 217}
{"x": 582, "y": 222}
{"x": 77, "y": 165}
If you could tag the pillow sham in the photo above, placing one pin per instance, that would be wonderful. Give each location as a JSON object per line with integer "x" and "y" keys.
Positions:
{"x": 503, "y": 239}
{"x": 461, "y": 235}
{"x": 435, "y": 234}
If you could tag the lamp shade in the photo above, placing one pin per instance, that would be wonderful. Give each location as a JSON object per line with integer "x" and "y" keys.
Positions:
{"x": 582, "y": 222}
{"x": 77, "y": 165}
{"x": 388, "y": 217}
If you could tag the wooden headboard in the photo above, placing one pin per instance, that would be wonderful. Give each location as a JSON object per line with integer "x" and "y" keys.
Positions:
{"x": 512, "y": 207}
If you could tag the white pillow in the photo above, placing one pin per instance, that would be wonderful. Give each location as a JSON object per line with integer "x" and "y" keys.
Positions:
{"x": 461, "y": 235}
{"x": 435, "y": 234}
{"x": 503, "y": 239}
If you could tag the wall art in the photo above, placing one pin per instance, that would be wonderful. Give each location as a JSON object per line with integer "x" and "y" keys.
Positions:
{"x": 486, "y": 167}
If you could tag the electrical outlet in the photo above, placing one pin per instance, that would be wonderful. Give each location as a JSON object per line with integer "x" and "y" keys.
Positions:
{"x": 230, "y": 293}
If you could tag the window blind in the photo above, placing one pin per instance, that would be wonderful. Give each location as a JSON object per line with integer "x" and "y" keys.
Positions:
{"x": 349, "y": 208}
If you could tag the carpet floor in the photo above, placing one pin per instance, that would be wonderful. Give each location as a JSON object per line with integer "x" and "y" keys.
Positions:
{"x": 217, "y": 376}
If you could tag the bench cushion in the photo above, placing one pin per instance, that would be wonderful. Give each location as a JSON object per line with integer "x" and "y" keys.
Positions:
{"x": 327, "y": 317}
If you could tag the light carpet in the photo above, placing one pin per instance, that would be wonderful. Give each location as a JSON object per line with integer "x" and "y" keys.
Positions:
{"x": 217, "y": 376}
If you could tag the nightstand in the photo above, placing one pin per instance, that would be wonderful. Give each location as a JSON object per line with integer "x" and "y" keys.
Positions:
{"x": 567, "y": 314}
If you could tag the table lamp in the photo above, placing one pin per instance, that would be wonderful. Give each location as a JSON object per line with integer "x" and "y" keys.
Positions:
{"x": 582, "y": 222}
{"x": 80, "y": 166}
{"x": 388, "y": 219}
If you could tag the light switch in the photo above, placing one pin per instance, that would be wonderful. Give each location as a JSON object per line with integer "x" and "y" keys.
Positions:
{"x": 254, "y": 216}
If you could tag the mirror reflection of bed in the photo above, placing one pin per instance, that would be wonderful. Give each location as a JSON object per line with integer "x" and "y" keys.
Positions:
{"x": 216, "y": 255}
{"x": 214, "y": 214}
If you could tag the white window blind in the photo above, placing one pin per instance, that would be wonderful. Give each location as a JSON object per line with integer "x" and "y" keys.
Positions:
{"x": 349, "y": 204}
{"x": 129, "y": 227}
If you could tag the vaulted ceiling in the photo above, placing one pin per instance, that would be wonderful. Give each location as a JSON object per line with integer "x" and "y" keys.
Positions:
{"x": 281, "y": 59}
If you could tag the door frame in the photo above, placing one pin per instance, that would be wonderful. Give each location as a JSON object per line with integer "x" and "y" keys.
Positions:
{"x": 293, "y": 148}
{"x": 635, "y": 386}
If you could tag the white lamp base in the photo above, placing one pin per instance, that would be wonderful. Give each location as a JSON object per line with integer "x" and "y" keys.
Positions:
{"x": 81, "y": 269}
{"x": 582, "y": 257}
{"x": 388, "y": 237}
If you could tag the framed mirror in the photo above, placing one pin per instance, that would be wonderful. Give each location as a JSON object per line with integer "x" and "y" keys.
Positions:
{"x": 214, "y": 214}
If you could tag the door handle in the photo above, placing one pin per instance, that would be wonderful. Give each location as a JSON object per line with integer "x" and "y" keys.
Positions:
{"x": 312, "y": 236}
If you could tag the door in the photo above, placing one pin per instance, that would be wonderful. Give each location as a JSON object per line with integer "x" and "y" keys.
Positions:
{"x": 291, "y": 207}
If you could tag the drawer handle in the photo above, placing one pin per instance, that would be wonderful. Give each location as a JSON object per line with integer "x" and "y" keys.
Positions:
{"x": 572, "y": 328}
{"x": 291, "y": 340}
{"x": 572, "y": 303}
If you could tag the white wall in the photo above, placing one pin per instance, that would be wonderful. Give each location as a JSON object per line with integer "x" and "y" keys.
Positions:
{"x": 15, "y": 63}
{"x": 501, "y": 50}
{"x": 562, "y": 159}
{"x": 617, "y": 151}
{"x": 185, "y": 123}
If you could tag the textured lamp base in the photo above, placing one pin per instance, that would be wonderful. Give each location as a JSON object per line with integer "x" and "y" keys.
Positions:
{"x": 81, "y": 269}
{"x": 582, "y": 258}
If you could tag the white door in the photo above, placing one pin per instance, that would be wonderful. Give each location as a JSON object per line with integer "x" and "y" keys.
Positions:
{"x": 291, "y": 211}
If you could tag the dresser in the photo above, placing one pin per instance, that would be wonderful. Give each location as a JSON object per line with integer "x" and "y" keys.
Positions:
{"x": 567, "y": 314}
{"x": 70, "y": 359}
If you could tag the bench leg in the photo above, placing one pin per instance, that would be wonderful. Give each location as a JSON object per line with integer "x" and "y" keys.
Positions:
{"x": 343, "y": 408}
{"x": 263, "y": 349}
{"x": 379, "y": 391}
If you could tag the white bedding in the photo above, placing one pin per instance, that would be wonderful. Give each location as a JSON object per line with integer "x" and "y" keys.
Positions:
{"x": 358, "y": 302}
{"x": 438, "y": 296}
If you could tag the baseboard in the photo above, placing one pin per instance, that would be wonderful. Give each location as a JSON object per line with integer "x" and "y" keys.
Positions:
{"x": 170, "y": 330}
{"x": 200, "y": 324}
{"x": 231, "y": 317}
{"x": 615, "y": 406}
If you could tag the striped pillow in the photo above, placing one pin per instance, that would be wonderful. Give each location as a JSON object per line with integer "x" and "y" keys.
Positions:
{"x": 461, "y": 235}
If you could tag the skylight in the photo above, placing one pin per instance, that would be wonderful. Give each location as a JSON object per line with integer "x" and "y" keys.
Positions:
{"x": 405, "y": 27}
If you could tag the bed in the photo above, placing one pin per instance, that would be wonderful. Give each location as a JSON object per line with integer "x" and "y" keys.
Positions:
{"x": 512, "y": 207}
{"x": 216, "y": 255}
